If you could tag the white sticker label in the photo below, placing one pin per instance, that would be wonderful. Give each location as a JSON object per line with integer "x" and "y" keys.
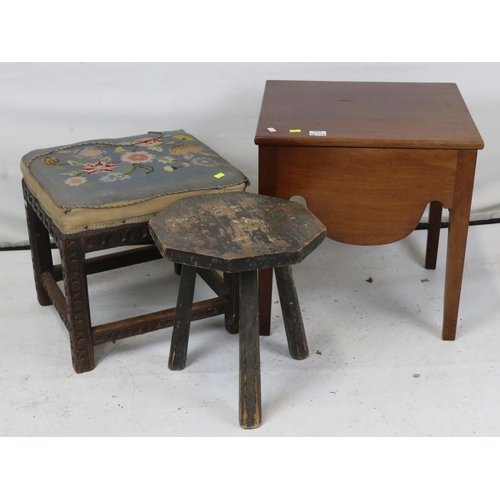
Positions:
{"x": 317, "y": 133}
{"x": 271, "y": 129}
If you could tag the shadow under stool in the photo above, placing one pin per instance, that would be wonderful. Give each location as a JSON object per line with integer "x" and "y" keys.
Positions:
{"x": 238, "y": 234}
{"x": 100, "y": 194}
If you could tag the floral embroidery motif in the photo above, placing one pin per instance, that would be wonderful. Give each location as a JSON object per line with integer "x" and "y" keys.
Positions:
{"x": 183, "y": 137}
{"x": 120, "y": 161}
{"x": 113, "y": 176}
{"x": 149, "y": 142}
{"x": 89, "y": 152}
{"x": 75, "y": 181}
{"x": 205, "y": 162}
{"x": 140, "y": 157}
{"x": 50, "y": 160}
{"x": 99, "y": 167}
{"x": 185, "y": 150}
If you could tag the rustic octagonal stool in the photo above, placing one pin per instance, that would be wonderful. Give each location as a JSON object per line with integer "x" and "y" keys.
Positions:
{"x": 238, "y": 233}
{"x": 100, "y": 194}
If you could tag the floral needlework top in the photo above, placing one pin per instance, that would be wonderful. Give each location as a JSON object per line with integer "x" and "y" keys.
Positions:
{"x": 95, "y": 173}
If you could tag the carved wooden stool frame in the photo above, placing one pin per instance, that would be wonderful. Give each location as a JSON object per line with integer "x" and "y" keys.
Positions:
{"x": 73, "y": 306}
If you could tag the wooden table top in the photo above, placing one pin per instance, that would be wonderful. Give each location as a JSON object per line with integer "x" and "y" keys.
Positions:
{"x": 366, "y": 114}
{"x": 236, "y": 232}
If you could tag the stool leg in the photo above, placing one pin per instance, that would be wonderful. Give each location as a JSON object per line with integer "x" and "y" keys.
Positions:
{"x": 182, "y": 319}
{"x": 75, "y": 283}
{"x": 232, "y": 317}
{"x": 265, "y": 300}
{"x": 294, "y": 326}
{"x": 40, "y": 253}
{"x": 435, "y": 214}
{"x": 250, "y": 407}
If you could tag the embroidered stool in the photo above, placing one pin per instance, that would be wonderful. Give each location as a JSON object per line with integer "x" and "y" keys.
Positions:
{"x": 100, "y": 194}
{"x": 238, "y": 233}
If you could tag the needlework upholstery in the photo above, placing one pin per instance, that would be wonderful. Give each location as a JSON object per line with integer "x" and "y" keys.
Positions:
{"x": 109, "y": 182}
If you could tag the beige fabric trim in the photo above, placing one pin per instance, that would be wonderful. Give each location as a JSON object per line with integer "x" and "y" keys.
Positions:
{"x": 77, "y": 220}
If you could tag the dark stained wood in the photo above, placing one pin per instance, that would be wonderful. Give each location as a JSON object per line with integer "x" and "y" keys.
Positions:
{"x": 232, "y": 319}
{"x": 292, "y": 317}
{"x": 77, "y": 298}
{"x": 41, "y": 254}
{"x": 73, "y": 305}
{"x": 235, "y": 232}
{"x": 182, "y": 320}
{"x": 265, "y": 298}
{"x": 56, "y": 296}
{"x": 388, "y": 150}
{"x": 239, "y": 234}
{"x": 250, "y": 404}
{"x": 117, "y": 260}
{"x": 214, "y": 280}
{"x": 150, "y": 322}
{"x": 435, "y": 214}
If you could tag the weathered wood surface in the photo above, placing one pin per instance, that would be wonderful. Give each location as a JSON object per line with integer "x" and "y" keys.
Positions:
{"x": 239, "y": 234}
{"x": 182, "y": 320}
{"x": 73, "y": 304}
{"x": 232, "y": 317}
{"x": 235, "y": 232}
{"x": 250, "y": 399}
{"x": 292, "y": 317}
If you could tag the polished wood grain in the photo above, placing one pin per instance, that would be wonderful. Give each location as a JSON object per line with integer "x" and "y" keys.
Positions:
{"x": 366, "y": 114}
{"x": 366, "y": 196}
{"x": 378, "y": 155}
{"x": 457, "y": 240}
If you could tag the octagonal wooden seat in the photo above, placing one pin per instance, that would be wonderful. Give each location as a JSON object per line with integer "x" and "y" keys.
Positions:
{"x": 100, "y": 194}
{"x": 238, "y": 233}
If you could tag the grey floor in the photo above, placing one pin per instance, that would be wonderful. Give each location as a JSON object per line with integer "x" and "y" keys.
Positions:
{"x": 377, "y": 364}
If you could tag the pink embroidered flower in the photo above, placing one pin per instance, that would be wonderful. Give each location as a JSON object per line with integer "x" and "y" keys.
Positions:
{"x": 99, "y": 167}
{"x": 75, "y": 181}
{"x": 205, "y": 162}
{"x": 148, "y": 141}
{"x": 138, "y": 157}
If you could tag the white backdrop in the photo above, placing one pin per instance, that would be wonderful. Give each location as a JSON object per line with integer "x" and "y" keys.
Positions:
{"x": 48, "y": 104}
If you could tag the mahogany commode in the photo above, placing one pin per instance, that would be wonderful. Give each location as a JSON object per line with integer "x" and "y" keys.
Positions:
{"x": 368, "y": 158}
